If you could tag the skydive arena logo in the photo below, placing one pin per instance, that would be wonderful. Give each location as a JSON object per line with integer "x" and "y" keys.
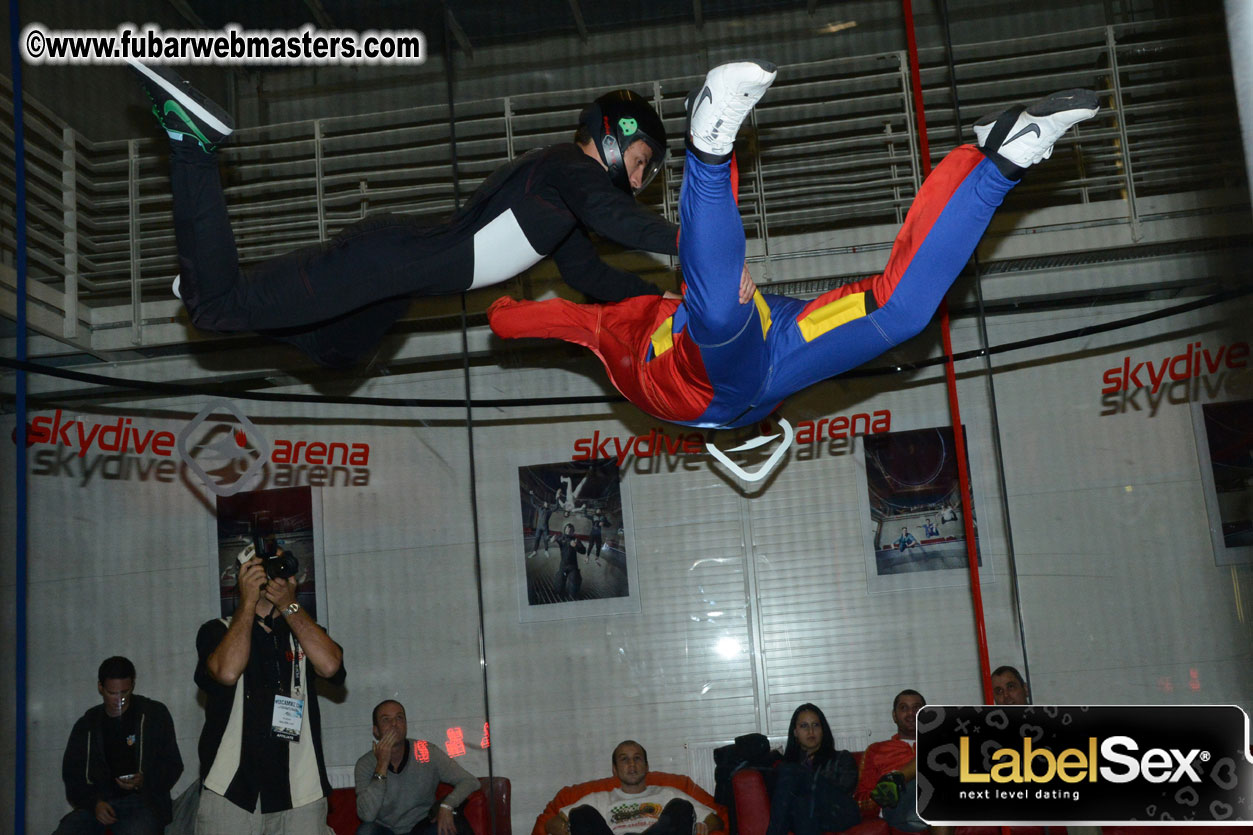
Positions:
{"x": 1083, "y": 765}
{"x": 242, "y": 458}
{"x": 807, "y": 433}
{"x": 244, "y": 451}
{"x": 220, "y": 447}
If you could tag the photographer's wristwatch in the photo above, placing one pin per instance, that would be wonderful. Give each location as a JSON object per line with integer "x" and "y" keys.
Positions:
{"x": 291, "y": 608}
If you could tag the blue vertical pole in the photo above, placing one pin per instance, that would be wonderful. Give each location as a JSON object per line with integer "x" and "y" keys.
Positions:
{"x": 19, "y": 526}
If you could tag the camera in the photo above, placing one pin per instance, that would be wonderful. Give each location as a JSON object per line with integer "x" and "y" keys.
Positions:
{"x": 278, "y": 564}
{"x": 281, "y": 566}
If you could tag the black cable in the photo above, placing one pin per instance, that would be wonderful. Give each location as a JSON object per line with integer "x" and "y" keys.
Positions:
{"x": 994, "y": 419}
{"x": 1087, "y": 330}
{"x": 172, "y": 389}
{"x": 469, "y": 408}
{"x": 178, "y": 389}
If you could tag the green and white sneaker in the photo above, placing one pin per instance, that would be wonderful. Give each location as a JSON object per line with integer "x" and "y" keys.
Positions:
{"x": 182, "y": 110}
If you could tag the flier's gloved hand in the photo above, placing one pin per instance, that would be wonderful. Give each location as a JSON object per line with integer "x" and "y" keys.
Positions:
{"x": 888, "y": 790}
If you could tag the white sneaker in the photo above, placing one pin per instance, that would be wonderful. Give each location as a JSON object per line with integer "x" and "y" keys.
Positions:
{"x": 1025, "y": 136}
{"x": 178, "y": 280}
{"x": 716, "y": 111}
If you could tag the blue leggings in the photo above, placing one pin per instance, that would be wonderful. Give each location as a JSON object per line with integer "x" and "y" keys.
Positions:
{"x": 759, "y": 353}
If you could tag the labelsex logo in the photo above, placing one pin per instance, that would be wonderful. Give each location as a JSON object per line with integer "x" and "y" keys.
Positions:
{"x": 1073, "y": 765}
{"x": 1083, "y": 764}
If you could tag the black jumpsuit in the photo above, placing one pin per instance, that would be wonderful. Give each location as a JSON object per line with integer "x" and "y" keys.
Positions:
{"x": 335, "y": 300}
{"x": 568, "y": 579}
{"x": 596, "y": 539}
{"x": 543, "y": 512}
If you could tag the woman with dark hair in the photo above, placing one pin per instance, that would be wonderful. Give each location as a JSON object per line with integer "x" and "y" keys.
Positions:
{"x": 814, "y": 789}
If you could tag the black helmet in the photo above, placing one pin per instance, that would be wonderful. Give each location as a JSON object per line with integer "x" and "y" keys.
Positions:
{"x": 617, "y": 119}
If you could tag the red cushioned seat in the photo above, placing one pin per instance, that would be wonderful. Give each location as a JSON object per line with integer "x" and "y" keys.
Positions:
{"x": 752, "y": 813}
{"x": 342, "y": 814}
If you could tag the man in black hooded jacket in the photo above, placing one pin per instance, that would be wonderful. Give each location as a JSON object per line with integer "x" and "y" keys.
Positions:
{"x": 121, "y": 761}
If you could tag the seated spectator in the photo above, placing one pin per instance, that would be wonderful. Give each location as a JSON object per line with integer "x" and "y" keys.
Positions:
{"x": 121, "y": 761}
{"x": 1008, "y": 687}
{"x": 888, "y": 768}
{"x": 633, "y": 800}
{"x": 814, "y": 787}
{"x": 396, "y": 788}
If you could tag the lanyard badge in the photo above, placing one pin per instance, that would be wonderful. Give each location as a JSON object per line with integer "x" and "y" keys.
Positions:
{"x": 289, "y": 717}
{"x": 289, "y": 712}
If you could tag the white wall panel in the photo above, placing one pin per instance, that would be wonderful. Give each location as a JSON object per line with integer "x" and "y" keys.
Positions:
{"x": 1120, "y": 600}
{"x": 834, "y": 637}
{"x": 564, "y": 692}
{"x": 127, "y": 566}
{"x": 1121, "y": 596}
{"x": 115, "y": 567}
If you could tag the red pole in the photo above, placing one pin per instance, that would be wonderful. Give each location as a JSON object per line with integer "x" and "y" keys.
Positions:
{"x": 950, "y": 377}
{"x": 915, "y": 81}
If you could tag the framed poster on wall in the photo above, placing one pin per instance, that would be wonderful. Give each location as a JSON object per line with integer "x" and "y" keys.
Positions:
{"x": 1224, "y": 443}
{"x": 913, "y": 524}
{"x": 573, "y": 551}
{"x": 289, "y": 518}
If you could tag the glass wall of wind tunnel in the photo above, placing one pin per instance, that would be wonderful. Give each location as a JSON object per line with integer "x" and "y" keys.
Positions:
{"x": 1121, "y": 445}
{"x": 842, "y": 579}
{"x": 709, "y": 607}
{"x": 140, "y": 502}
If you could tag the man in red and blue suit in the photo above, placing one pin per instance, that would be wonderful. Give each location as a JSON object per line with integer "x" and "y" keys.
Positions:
{"x": 709, "y": 360}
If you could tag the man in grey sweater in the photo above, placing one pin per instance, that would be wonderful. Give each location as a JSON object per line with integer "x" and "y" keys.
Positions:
{"x": 396, "y": 782}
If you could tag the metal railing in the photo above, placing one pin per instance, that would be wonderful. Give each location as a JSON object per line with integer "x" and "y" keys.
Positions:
{"x": 835, "y": 152}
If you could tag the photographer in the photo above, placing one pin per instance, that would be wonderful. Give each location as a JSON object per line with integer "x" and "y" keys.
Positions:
{"x": 261, "y": 747}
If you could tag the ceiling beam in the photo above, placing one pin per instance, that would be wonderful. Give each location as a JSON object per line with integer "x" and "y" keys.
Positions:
{"x": 578, "y": 19}
{"x": 44, "y": 321}
{"x": 320, "y": 17}
{"x": 188, "y": 13}
{"x": 459, "y": 34}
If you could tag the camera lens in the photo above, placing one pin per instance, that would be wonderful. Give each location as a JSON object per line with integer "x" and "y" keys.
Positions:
{"x": 281, "y": 566}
